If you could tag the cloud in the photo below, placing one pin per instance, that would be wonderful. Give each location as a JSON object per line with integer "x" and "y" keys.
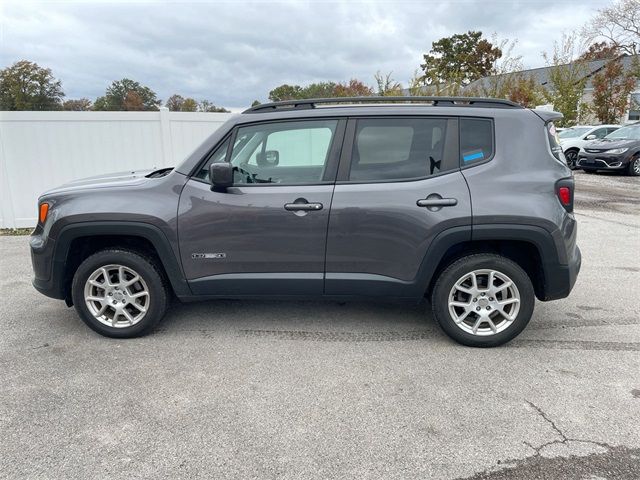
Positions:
{"x": 234, "y": 52}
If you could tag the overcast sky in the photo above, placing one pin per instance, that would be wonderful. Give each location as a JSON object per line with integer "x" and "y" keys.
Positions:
{"x": 232, "y": 52}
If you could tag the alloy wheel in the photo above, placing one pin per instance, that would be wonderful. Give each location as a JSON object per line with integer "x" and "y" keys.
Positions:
{"x": 116, "y": 296}
{"x": 484, "y": 302}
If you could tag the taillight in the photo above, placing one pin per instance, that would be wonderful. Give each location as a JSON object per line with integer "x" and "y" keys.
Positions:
{"x": 564, "y": 191}
{"x": 44, "y": 211}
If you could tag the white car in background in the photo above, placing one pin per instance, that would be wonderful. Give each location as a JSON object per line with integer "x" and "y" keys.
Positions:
{"x": 574, "y": 138}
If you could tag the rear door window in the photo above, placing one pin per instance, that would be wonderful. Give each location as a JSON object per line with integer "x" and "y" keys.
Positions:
{"x": 388, "y": 149}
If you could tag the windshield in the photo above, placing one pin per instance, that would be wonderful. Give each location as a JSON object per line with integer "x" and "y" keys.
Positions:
{"x": 574, "y": 132}
{"x": 630, "y": 132}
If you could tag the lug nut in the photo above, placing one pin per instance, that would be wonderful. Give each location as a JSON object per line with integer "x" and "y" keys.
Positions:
{"x": 482, "y": 294}
{"x": 110, "y": 294}
{"x": 488, "y": 308}
{"x": 114, "y": 302}
{"x": 491, "y": 299}
{"x": 478, "y": 309}
{"x": 475, "y": 299}
{"x": 124, "y": 301}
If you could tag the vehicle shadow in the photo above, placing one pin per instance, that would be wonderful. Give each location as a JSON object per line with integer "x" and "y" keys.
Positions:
{"x": 243, "y": 316}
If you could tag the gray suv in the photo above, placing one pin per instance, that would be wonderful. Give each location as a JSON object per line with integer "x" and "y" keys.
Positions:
{"x": 465, "y": 201}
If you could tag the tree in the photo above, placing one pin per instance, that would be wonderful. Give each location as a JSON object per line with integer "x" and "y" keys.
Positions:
{"x": 174, "y": 103}
{"x": 177, "y": 103}
{"x": 189, "y": 105}
{"x": 319, "y": 90}
{"x": 27, "y": 86}
{"x": 255, "y": 103}
{"x": 285, "y": 92}
{"x": 133, "y": 101}
{"x": 353, "y": 88}
{"x": 459, "y": 59}
{"x": 611, "y": 89}
{"x": 127, "y": 94}
{"x": 207, "y": 106}
{"x": 387, "y": 86}
{"x": 524, "y": 90}
{"x": 600, "y": 51}
{"x": 619, "y": 24}
{"x": 416, "y": 84}
{"x": 567, "y": 79}
{"x": 79, "y": 105}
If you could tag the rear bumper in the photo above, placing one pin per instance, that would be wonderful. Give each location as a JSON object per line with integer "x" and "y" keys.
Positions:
{"x": 560, "y": 279}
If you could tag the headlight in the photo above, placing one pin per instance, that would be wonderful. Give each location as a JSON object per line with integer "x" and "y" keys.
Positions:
{"x": 616, "y": 150}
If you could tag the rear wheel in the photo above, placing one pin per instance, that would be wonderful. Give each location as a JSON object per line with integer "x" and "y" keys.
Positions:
{"x": 483, "y": 300}
{"x": 119, "y": 293}
{"x": 634, "y": 166}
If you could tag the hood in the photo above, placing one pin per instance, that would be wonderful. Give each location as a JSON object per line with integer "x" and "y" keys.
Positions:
{"x": 609, "y": 143}
{"x": 110, "y": 180}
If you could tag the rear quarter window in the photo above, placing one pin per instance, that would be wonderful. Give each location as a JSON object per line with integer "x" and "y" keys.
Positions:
{"x": 476, "y": 140}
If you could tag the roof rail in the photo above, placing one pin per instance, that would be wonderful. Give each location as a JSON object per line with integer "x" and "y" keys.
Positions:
{"x": 435, "y": 101}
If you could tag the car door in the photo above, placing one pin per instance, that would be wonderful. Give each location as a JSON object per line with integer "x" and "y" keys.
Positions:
{"x": 267, "y": 233}
{"x": 399, "y": 186}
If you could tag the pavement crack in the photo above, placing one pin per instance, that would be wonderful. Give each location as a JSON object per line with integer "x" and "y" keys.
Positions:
{"x": 564, "y": 439}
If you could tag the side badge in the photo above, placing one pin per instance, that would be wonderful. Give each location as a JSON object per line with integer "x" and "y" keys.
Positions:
{"x": 202, "y": 256}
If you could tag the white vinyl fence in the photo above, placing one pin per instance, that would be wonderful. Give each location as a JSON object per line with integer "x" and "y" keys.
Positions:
{"x": 42, "y": 150}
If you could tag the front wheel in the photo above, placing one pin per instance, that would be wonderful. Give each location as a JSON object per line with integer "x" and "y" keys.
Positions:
{"x": 483, "y": 300}
{"x": 119, "y": 293}
{"x": 572, "y": 158}
{"x": 634, "y": 166}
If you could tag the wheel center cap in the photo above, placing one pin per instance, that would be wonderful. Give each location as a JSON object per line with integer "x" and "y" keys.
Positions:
{"x": 483, "y": 302}
{"x": 118, "y": 296}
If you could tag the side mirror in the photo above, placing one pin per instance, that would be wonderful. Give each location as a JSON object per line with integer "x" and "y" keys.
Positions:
{"x": 590, "y": 137}
{"x": 270, "y": 158}
{"x": 221, "y": 175}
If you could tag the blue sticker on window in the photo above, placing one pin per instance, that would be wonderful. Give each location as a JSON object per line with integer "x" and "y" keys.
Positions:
{"x": 471, "y": 156}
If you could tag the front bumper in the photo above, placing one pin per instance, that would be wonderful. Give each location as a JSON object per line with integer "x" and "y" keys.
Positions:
{"x": 602, "y": 161}
{"x": 44, "y": 264}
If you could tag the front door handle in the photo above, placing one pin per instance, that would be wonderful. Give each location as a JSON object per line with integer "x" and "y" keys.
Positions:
{"x": 437, "y": 202}
{"x": 303, "y": 207}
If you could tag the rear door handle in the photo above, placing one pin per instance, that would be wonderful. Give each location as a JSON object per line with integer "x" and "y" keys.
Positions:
{"x": 305, "y": 207}
{"x": 437, "y": 202}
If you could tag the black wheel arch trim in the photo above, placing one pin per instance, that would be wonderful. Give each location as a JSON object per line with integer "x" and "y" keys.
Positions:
{"x": 559, "y": 275}
{"x": 147, "y": 231}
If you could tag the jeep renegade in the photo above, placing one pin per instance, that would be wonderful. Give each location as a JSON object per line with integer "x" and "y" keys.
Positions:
{"x": 465, "y": 201}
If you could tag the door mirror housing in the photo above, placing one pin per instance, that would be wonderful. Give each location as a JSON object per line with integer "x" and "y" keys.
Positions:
{"x": 221, "y": 175}
{"x": 590, "y": 137}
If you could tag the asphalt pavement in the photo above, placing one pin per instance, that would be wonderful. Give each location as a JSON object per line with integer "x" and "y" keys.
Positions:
{"x": 328, "y": 390}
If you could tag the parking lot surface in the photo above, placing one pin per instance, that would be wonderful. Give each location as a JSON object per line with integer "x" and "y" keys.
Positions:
{"x": 258, "y": 389}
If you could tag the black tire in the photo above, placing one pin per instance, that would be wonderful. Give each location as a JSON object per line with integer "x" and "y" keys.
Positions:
{"x": 589, "y": 171}
{"x": 146, "y": 268}
{"x": 454, "y": 272}
{"x": 634, "y": 166}
{"x": 572, "y": 157}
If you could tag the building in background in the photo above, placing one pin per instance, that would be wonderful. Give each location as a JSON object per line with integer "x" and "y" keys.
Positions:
{"x": 542, "y": 78}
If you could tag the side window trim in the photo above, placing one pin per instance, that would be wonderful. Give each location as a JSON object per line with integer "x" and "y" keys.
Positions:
{"x": 493, "y": 142}
{"x": 450, "y": 156}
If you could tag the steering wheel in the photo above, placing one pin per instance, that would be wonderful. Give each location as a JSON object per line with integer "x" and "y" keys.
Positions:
{"x": 246, "y": 173}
